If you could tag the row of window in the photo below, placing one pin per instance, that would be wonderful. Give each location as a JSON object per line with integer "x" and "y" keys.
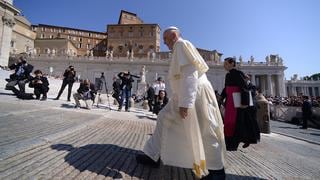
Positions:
{"x": 58, "y": 30}
{"x": 129, "y": 34}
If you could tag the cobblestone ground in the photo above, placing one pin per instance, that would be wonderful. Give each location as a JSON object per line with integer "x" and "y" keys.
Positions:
{"x": 52, "y": 140}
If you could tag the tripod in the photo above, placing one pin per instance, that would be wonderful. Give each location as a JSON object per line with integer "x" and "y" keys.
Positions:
{"x": 102, "y": 81}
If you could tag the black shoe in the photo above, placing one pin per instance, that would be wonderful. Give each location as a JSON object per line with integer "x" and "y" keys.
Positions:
{"x": 69, "y": 100}
{"x": 303, "y": 128}
{"x": 56, "y": 98}
{"x": 146, "y": 160}
{"x": 216, "y": 175}
{"x": 127, "y": 110}
{"x": 245, "y": 145}
{"x": 43, "y": 98}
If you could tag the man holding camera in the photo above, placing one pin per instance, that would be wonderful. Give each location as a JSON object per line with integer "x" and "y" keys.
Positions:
{"x": 40, "y": 85}
{"x": 69, "y": 78}
{"x": 21, "y": 76}
{"x": 126, "y": 85}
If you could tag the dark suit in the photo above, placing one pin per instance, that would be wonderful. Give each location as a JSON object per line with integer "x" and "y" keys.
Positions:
{"x": 40, "y": 88}
{"x": 20, "y": 77}
{"x": 69, "y": 78}
{"x": 306, "y": 113}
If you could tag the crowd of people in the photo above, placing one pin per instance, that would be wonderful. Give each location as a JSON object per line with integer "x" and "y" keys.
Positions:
{"x": 191, "y": 131}
{"x": 293, "y": 100}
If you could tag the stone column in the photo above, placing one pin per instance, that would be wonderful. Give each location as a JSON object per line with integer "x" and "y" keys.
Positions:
{"x": 281, "y": 85}
{"x": 253, "y": 79}
{"x": 6, "y": 34}
{"x": 270, "y": 89}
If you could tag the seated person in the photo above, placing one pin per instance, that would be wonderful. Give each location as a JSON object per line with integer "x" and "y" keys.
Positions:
{"x": 85, "y": 92}
{"x": 160, "y": 101}
{"x": 40, "y": 85}
{"x": 21, "y": 76}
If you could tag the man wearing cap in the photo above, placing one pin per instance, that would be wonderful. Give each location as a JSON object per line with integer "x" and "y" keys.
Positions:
{"x": 21, "y": 76}
{"x": 189, "y": 131}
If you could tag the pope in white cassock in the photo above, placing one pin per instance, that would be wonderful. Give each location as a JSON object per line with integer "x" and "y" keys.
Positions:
{"x": 189, "y": 130}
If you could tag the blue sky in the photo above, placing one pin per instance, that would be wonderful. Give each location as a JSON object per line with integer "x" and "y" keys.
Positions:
{"x": 290, "y": 28}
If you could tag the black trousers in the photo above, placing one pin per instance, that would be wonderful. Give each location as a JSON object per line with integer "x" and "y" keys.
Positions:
{"x": 64, "y": 84}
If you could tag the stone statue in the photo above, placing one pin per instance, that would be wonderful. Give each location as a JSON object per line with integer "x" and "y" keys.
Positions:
{"x": 153, "y": 54}
{"x": 48, "y": 51}
{"x": 107, "y": 53}
{"x": 131, "y": 54}
{"x": 53, "y": 52}
{"x": 128, "y": 54}
{"x": 267, "y": 60}
{"x": 143, "y": 74}
{"x": 111, "y": 55}
{"x": 91, "y": 53}
{"x": 251, "y": 59}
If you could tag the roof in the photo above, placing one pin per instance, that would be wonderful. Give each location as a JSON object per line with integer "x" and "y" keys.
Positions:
{"x": 46, "y": 25}
{"x": 23, "y": 20}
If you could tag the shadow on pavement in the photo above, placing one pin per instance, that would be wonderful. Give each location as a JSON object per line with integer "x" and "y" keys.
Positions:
{"x": 109, "y": 160}
{"x": 69, "y": 106}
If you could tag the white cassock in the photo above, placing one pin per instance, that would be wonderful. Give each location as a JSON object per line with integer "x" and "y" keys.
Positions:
{"x": 196, "y": 142}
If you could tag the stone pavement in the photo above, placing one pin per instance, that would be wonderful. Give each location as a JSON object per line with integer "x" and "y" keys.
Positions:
{"x": 52, "y": 140}
{"x": 310, "y": 135}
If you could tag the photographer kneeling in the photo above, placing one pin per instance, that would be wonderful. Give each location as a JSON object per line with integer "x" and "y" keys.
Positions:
{"x": 40, "y": 85}
{"x": 20, "y": 77}
{"x": 85, "y": 92}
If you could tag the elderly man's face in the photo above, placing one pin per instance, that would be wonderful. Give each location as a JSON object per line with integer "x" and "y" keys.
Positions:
{"x": 168, "y": 38}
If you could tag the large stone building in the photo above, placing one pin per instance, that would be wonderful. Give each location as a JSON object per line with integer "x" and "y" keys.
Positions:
{"x": 22, "y": 40}
{"x": 131, "y": 37}
{"x": 87, "y": 42}
{"x": 131, "y": 45}
{"x": 296, "y": 87}
{"x": 7, "y": 13}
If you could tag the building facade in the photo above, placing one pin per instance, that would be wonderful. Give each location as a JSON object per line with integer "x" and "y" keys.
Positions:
{"x": 87, "y": 42}
{"x": 269, "y": 77}
{"x": 296, "y": 87}
{"x": 131, "y": 37}
{"x": 23, "y": 37}
{"x": 7, "y": 13}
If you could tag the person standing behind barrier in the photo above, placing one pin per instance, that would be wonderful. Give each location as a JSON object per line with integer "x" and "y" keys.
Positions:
{"x": 68, "y": 79}
{"x": 306, "y": 112}
{"x": 238, "y": 122}
{"x": 21, "y": 76}
{"x": 40, "y": 85}
{"x": 126, "y": 85}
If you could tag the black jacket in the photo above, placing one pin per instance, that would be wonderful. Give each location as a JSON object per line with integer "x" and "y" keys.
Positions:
{"x": 44, "y": 85}
{"x": 69, "y": 75}
{"x": 25, "y": 75}
{"x": 126, "y": 81}
{"x": 91, "y": 89}
{"x": 306, "y": 109}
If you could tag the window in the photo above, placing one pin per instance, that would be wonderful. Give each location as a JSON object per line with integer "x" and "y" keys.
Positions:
{"x": 42, "y": 36}
{"x": 130, "y": 33}
{"x": 43, "y": 29}
{"x": 90, "y": 34}
{"x": 80, "y": 39}
{"x": 80, "y": 45}
{"x": 88, "y": 46}
{"x": 51, "y": 36}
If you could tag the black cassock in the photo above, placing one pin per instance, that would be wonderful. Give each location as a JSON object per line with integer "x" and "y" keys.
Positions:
{"x": 240, "y": 123}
